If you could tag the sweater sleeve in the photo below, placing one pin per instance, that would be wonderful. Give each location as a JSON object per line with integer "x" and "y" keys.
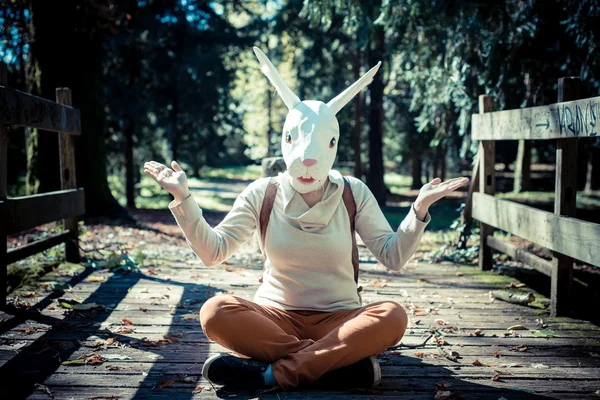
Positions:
{"x": 392, "y": 248}
{"x": 215, "y": 245}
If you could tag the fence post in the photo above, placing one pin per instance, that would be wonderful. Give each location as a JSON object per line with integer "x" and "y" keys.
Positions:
{"x": 487, "y": 184}
{"x": 565, "y": 204}
{"x": 66, "y": 148}
{"x": 3, "y": 196}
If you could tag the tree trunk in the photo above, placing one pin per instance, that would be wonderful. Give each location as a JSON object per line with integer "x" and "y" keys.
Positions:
{"x": 444, "y": 148}
{"x": 133, "y": 66}
{"x": 358, "y": 169}
{"x": 129, "y": 178}
{"x": 43, "y": 70}
{"x": 65, "y": 53}
{"x": 417, "y": 171}
{"x": 376, "y": 170}
{"x": 589, "y": 171}
{"x": 269, "y": 119}
{"x": 522, "y": 179}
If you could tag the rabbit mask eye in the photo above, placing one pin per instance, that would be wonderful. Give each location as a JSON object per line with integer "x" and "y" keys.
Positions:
{"x": 288, "y": 138}
{"x": 332, "y": 143}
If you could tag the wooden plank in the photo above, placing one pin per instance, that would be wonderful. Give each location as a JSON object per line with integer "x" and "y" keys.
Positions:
{"x": 30, "y": 249}
{"x": 3, "y": 196}
{"x": 569, "y": 236}
{"x": 23, "y": 109}
{"x": 505, "y": 385}
{"x": 522, "y": 255}
{"x": 466, "y": 214}
{"x": 566, "y": 119}
{"x": 565, "y": 204}
{"x": 66, "y": 148}
{"x": 35, "y": 210}
{"x": 487, "y": 184}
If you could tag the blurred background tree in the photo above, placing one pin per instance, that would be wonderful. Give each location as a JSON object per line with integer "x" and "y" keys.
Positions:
{"x": 177, "y": 79}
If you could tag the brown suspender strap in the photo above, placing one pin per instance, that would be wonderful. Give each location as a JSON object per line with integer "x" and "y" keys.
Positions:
{"x": 351, "y": 207}
{"x": 265, "y": 214}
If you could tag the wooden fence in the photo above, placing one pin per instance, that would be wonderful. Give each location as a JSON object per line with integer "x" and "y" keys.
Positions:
{"x": 21, "y": 213}
{"x": 568, "y": 238}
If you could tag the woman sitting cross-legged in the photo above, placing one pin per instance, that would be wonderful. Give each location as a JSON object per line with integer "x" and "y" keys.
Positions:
{"x": 306, "y": 324}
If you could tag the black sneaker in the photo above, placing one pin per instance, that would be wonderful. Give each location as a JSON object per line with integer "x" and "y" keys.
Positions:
{"x": 363, "y": 374}
{"x": 227, "y": 370}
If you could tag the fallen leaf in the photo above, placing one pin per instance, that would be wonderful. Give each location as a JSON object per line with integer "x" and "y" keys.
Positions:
{"x": 198, "y": 389}
{"x": 511, "y": 365}
{"x": 497, "y": 353}
{"x": 520, "y": 348}
{"x": 113, "y": 357}
{"x": 43, "y": 388}
{"x": 442, "y": 385}
{"x": 31, "y": 330}
{"x": 189, "y": 317}
{"x": 478, "y": 332}
{"x": 477, "y": 363}
{"x": 379, "y": 283}
{"x": 95, "y": 279}
{"x": 458, "y": 273}
{"x": 440, "y": 322}
{"x": 546, "y": 333}
{"x": 539, "y": 366}
{"x": 515, "y": 285}
{"x": 143, "y": 309}
{"x": 447, "y": 395}
{"x": 84, "y": 307}
{"x": 419, "y": 354}
{"x": 126, "y": 321}
{"x": 423, "y": 280}
{"x": 165, "y": 383}
{"x": 30, "y": 294}
{"x": 516, "y": 328}
{"x": 496, "y": 377}
{"x": 125, "y": 330}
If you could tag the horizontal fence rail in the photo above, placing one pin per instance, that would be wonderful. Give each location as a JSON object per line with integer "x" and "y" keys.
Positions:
{"x": 570, "y": 236}
{"x": 24, "y": 109}
{"x": 27, "y": 212}
{"x": 579, "y": 118}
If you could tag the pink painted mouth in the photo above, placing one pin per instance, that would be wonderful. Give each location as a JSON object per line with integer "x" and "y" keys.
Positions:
{"x": 306, "y": 181}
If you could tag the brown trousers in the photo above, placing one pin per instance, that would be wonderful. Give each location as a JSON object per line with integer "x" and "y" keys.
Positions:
{"x": 302, "y": 345}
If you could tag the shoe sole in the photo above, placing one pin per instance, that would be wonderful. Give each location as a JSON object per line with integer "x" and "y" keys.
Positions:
{"x": 376, "y": 371}
{"x": 207, "y": 364}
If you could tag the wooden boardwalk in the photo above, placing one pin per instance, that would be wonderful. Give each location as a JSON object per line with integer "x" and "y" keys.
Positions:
{"x": 143, "y": 340}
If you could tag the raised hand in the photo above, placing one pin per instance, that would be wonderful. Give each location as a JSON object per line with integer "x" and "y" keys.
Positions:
{"x": 173, "y": 180}
{"x": 435, "y": 190}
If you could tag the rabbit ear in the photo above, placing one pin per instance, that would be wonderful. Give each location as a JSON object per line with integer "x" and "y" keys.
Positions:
{"x": 338, "y": 102}
{"x": 288, "y": 97}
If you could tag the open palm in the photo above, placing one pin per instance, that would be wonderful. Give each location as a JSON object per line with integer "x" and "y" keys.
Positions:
{"x": 172, "y": 180}
{"x": 436, "y": 189}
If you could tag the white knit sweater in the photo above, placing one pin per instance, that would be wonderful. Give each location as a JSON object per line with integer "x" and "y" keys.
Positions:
{"x": 309, "y": 249}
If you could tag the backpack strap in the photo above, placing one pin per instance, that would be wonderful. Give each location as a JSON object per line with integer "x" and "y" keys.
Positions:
{"x": 265, "y": 213}
{"x": 351, "y": 207}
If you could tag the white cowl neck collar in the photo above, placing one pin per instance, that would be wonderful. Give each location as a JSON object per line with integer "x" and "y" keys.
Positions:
{"x": 318, "y": 216}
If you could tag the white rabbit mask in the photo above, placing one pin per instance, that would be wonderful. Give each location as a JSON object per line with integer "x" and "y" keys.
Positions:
{"x": 311, "y": 131}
